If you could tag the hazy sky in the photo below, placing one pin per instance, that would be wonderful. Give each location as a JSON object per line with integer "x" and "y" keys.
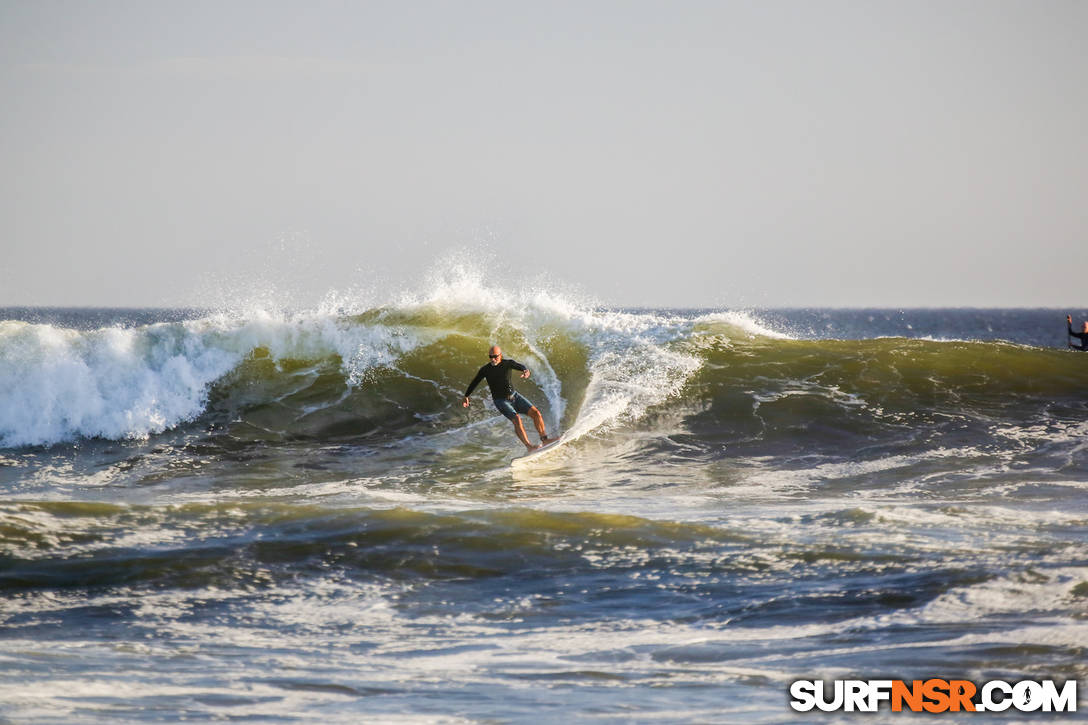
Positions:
{"x": 869, "y": 153}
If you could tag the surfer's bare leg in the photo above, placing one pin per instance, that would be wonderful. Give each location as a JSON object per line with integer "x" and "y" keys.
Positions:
{"x": 538, "y": 421}
{"x": 520, "y": 430}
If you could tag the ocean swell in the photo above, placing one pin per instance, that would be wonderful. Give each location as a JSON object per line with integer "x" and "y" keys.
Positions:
{"x": 399, "y": 369}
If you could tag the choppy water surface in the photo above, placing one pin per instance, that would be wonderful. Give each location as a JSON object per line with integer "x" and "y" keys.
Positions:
{"x": 289, "y": 517}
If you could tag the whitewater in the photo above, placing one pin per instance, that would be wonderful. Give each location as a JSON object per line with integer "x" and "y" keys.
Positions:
{"x": 287, "y": 516}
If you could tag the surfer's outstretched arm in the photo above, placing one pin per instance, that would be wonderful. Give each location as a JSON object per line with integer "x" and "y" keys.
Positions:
{"x": 472, "y": 386}
{"x": 1082, "y": 336}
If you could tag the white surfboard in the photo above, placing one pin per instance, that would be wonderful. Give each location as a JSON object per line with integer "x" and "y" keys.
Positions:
{"x": 536, "y": 452}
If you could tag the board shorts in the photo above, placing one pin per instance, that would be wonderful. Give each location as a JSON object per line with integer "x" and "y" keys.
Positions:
{"x": 510, "y": 407}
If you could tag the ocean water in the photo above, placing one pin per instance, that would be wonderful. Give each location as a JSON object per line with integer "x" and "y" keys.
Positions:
{"x": 288, "y": 516}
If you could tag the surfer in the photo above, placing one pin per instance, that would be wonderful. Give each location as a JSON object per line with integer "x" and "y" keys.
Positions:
{"x": 1082, "y": 336}
{"x": 506, "y": 399}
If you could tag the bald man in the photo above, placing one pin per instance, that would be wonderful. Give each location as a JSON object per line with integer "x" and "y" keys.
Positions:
{"x": 506, "y": 399}
{"x": 1082, "y": 336}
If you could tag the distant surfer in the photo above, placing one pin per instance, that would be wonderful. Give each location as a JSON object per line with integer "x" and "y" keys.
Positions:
{"x": 1082, "y": 336}
{"x": 506, "y": 399}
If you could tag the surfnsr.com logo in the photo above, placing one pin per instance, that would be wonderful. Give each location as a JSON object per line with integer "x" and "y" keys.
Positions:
{"x": 933, "y": 695}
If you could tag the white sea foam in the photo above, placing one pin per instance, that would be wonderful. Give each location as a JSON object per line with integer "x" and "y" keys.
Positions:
{"x": 57, "y": 384}
{"x": 339, "y": 635}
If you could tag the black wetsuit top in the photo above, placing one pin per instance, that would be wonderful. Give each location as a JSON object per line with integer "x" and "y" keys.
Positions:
{"x": 498, "y": 378}
{"x": 1082, "y": 336}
